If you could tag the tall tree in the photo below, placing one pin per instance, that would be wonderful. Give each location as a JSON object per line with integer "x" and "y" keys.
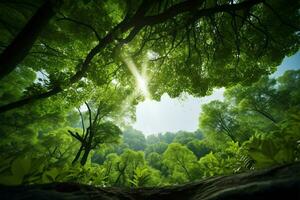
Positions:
{"x": 218, "y": 118}
{"x": 97, "y": 132}
{"x": 259, "y": 98}
{"x": 179, "y": 159}
{"x": 134, "y": 139}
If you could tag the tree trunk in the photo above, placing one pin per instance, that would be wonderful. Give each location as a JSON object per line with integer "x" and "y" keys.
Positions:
{"x": 21, "y": 45}
{"x": 85, "y": 156}
{"x": 77, "y": 155}
{"x": 281, "y": 182}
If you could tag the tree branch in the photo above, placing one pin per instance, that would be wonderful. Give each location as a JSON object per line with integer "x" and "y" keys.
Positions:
{"x": 82, "y": 24}
{"x": 138, "y": 21}
{"x": 76, "y": 135}
{"x": 22, "y": 43}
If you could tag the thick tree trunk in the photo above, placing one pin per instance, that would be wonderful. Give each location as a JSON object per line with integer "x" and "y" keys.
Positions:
{"x": 21, "y": 45}
{"x": 281, "y": 182}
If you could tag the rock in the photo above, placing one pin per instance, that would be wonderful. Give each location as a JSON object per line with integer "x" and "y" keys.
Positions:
{"x": 282, "y": 182}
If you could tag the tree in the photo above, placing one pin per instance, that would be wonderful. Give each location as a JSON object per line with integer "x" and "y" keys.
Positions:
{"x": 216, "y": 117}
{"x": 171, "y": 31}
{"x": 167, "y": 137}
{"x": 257, "y": 98}
{"x": 183, "y": 137}
{"x": 58, "y": 147}
{"x": 179, "y": 159}
{"x": 107, "y": 56}
{"x": 98, "y": 132}
{"x": 199, "y": 147}
{"x": 152, "y": 139}
{"x": 155, "y": 160}
{"x": 134, "y": 139}
{"x": 266, "y": 115}
{"x": 159, "y": 147}
{"x": 287, "y": 93}
{"x": 129, "y": 162}
{"x": 260, "y": 105}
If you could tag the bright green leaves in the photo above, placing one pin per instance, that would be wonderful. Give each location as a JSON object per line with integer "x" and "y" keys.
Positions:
{"x": 266, "y": 119}
{"x": 278, "y": 147}
{"x": 140, "y": 177}
{"x": 189, "y": 54}
{"x": 209, "y": 161}
{"x": 50, "y": 175}
{"x": 180, "y": 160}
{"x": 218, "y": 121}
{"x": 129, "y": 169}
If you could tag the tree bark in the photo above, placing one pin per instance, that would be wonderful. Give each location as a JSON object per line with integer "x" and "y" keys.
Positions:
{"x": 85, "y": 156}
{"x": 77, "y": 155}
{"x": 21, "y": 45}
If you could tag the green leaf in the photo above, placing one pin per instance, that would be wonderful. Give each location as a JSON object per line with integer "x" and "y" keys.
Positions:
{"x": 284, "y": 156}
{"x": 259, "y": 156}
{"x": 21, "y": 166}
{"x": 268, "y": 148}
{"x": 52, "y": 173}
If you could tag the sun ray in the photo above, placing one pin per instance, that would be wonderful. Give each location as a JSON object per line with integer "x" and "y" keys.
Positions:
{"x": 140, "y": 78}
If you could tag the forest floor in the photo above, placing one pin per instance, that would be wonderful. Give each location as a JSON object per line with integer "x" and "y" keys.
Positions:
{"x": 281, "y": 182}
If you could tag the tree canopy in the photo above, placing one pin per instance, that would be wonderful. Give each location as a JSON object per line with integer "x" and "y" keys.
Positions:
{"x": 201, "y": 44}
{"x": 71, "y": 73}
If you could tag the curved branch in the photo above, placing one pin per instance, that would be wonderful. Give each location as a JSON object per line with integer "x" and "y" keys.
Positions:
{"x": 76, "y": 135}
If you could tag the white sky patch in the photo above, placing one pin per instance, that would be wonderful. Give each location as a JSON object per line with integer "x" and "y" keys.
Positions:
{"x": 172, "y": 114}
{"x": 152, "y": 55}
{"x": 41, "y": 76}
{"x": 83, "y": 108}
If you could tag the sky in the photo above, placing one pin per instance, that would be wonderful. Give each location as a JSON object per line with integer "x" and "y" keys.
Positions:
{"x": 175, "y": 114}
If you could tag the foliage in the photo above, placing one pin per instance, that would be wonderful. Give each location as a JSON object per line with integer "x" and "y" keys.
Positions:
{"x": 69, "y": 83}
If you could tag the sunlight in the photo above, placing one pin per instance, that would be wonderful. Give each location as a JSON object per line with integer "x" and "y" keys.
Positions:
{"x": 142, "y": 84}
{"x": 140, "y": 78}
